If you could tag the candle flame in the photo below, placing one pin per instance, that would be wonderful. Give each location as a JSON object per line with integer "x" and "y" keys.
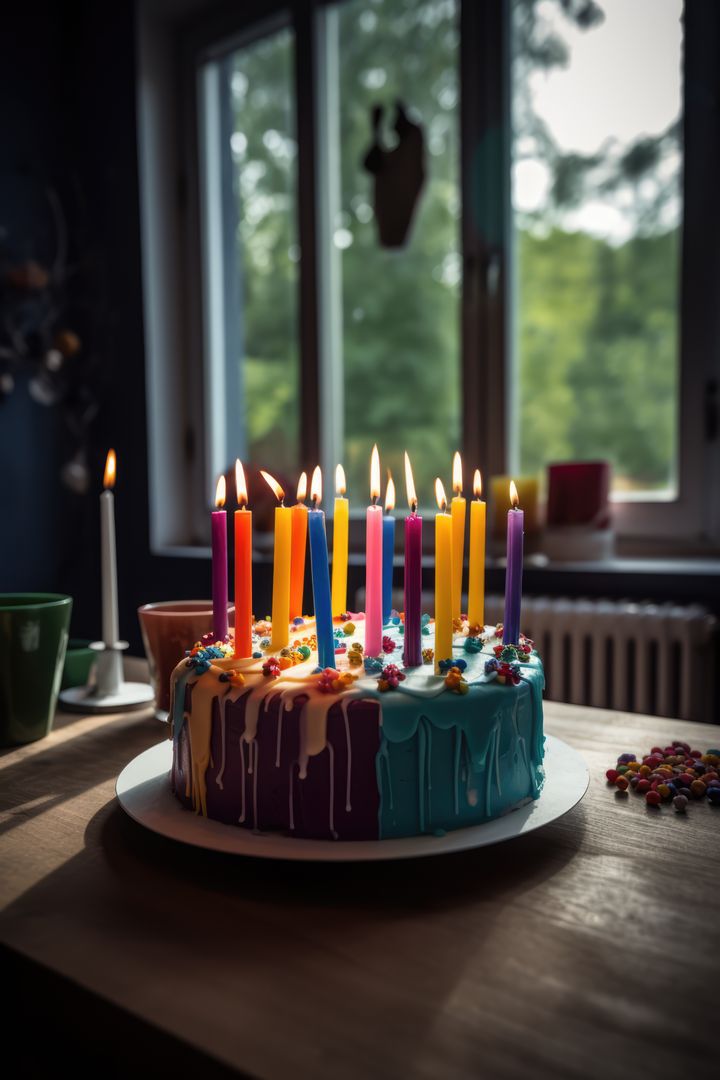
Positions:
{"x": 340, "y": 480}
{"x": 302, "y": 487}
{"x": 514, "y": 495}
{"x": 410, "y": 485}
{"x": 457, "y": 474}
{"x": 240, "y": 485}
{"x": 110, "y": 470}
{"x": 273, "y": 485}
{"x": 316, "y": 486}
{"x": 374, "y": 474}
{"x": 440, "y": 494}
{"x": 220, "y": 492}
{"x": 477, "y": 484}
{"x": 390, "y": 494}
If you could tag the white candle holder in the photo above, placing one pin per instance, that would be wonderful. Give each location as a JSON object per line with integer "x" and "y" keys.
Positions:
{"x": 109, "y": 692}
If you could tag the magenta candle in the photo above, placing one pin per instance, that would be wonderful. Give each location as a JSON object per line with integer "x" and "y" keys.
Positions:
{"x": 513, "y": 575}
{"x": 374, "y": 564}
{"x": 412, "y": 651}
{"x": 219, "y": 564}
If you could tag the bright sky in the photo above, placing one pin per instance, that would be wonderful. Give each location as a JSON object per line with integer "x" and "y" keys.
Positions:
{"x": 623, "y": 80}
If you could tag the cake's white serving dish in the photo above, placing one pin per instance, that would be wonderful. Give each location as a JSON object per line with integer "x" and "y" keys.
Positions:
{"x": 143, "y": 789}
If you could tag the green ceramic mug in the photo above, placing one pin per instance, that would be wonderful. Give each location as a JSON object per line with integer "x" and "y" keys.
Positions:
{"x": 33, "y": 638}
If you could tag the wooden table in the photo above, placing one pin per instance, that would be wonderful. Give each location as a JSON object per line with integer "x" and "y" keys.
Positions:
{"x": 588, "y": 948}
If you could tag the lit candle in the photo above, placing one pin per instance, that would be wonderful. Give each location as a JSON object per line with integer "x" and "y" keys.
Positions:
{"x": 443, "y": 579}
{"x": 340, "y": 546}
{"x": 110, "y": 623}
{"x": 243, "y": 568}
{"x": 412, "y": 654}
{"x": 457, "y": 513}
{"x": 513, "y": 575}
{"x": 320, "y": 575}
{"x": 476, "y": 582}
{"x": 388, "y": 553}
{"x": 299, "y": 541}
{"x": 280, "y": 636}
{"x": 373, "y": 563}
{"x": 219, "y": 564}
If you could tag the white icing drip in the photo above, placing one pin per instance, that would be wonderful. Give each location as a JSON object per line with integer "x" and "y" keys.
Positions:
{"x": 222, "y": 706}
{"x": 492, "y": 758}
{"x": 458, "y": 738}
{"x": 348, "y": 804}
{"x": 255, "y": 780}
{"x": 242, "y": 785}
{"x": 279, "y": 737}
{"x": 229, "y": 698}
{"x": 331, "y": 752}
{"x": 422, "y": 754}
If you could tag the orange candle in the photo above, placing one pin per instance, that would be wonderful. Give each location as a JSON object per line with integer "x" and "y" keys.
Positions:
{"x": 243, "y": 568}
{"x": 297, "y": 552}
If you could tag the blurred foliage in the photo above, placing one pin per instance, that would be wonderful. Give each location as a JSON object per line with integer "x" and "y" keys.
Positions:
{"x": 596, "y": 324}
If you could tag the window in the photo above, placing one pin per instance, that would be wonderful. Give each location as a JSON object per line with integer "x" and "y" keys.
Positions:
{"x": 554, "y": 298}
{"x": 597, "y": 201}
{"x": 399, "y": 310}
{"x": 250, "y": 254}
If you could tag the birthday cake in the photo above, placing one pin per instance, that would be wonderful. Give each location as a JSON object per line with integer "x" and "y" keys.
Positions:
{"x": 366, "y": 750}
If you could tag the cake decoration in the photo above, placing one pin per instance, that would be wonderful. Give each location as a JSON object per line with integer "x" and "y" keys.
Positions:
{"x": 676, "y": 774}
{"x": 362, "y": 725}
{"x": 361, "y": 750}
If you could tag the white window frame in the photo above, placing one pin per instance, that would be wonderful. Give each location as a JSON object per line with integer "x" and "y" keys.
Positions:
{"x": 182, "y": 276}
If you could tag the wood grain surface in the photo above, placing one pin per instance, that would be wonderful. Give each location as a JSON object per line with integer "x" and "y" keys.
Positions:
{"x": 588, "y": 948}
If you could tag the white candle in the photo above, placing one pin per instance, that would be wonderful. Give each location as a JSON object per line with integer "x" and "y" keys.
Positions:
{"x": 110, "y": 625}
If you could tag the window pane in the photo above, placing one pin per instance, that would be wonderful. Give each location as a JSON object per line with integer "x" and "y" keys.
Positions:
{"x": 400, "y": 307}
{"x": 597, "y": 162}
{"x": 261, "y": 339}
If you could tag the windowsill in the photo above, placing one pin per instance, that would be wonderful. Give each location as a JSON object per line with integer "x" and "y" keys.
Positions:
{"x": 695, "y": 566}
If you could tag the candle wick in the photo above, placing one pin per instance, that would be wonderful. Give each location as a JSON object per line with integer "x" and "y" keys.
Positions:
{"x": 374, "y": 500}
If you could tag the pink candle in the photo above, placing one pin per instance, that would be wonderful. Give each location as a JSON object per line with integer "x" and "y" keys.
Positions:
{"x": 373, "y": 564}
{"x": 413, "y": 575}
{"x": 220, "y": 565}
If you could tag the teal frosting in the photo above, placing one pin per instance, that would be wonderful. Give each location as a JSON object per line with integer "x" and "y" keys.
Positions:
{"x": 449, "y": 760}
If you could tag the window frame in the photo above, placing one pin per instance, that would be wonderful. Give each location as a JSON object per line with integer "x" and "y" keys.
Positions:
{"x": 169, "y": 160}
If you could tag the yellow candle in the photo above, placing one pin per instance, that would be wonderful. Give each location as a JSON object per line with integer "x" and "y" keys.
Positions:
{"x": 457, "y": 513}
{"x": 476, "y": 583}
{"x": 340, "y": 546}
{"x": 443, "y": 580}
{"x": 280, "y": 637}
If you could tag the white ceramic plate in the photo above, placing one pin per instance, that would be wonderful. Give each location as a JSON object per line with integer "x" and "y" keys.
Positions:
{"x": 143, "y": 789}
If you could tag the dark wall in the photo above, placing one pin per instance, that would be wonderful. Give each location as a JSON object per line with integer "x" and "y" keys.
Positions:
{"x": 67, "y": 117}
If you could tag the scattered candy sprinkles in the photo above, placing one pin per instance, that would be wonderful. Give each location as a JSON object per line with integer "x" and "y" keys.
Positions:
{"x": 675, "y": 774}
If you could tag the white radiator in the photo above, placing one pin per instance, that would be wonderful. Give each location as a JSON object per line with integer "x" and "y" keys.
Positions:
{"x": 618, "y": 654}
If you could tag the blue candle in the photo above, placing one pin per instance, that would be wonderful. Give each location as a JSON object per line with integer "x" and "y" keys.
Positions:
{"x": 388, "y": 548}
{"x": 320, "y": 577}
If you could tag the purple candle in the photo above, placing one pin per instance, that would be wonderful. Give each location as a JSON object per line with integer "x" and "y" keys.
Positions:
{"x": 219, "y": 565}
{"x": 513, "y": 575}
{"x": 412, "y": 654}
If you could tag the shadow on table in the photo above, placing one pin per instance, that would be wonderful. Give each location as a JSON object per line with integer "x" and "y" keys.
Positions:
{"x": 71, "y": 761}
{"x": 494, "y": 873}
